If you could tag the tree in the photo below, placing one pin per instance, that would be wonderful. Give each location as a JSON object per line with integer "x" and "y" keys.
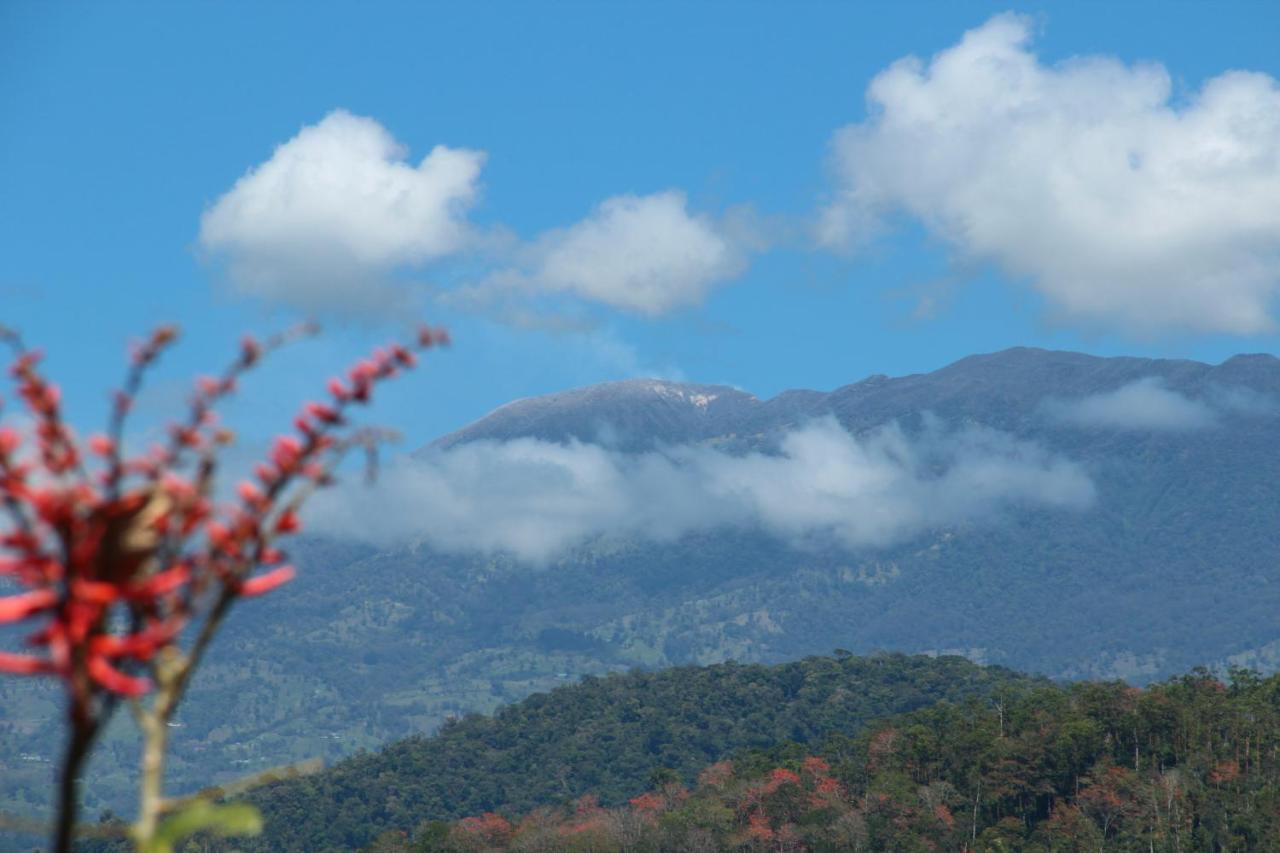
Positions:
{"x": 1110, "y": 797}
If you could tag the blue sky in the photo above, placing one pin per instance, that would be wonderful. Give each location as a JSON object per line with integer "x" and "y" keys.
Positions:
{"x": 652, "y": 193}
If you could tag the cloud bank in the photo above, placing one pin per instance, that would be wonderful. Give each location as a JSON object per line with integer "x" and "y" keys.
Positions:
{"x": 321, "y": 224}
{"x": 1145, "y": 404}
{"x": 536, "y": 500}
{"x": 1123, "y": 208}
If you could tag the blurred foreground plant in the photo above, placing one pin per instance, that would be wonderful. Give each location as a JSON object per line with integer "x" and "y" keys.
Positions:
{"x": 130, "y": 564}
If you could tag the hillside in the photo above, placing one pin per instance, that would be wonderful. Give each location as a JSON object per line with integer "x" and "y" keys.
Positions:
{"x": 1170, "y": 567}
{"x": 1190, "y": 764}
{"x": 608, "y": 736}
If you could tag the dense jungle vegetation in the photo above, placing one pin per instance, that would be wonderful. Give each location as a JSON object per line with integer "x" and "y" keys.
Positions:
{"x": 1187, "y": 764}
{"x": 613, "y": 737}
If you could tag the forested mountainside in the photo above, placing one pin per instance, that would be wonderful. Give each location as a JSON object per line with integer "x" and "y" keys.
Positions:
{"x": 1189, "y": 764}
{"x": 610, "y": 736}
{"x": 1171, "y": 566}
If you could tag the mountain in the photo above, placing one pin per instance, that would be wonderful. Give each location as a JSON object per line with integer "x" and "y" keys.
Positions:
{"x": 1172, "y": 565}
{"x": 1003, "y": 390}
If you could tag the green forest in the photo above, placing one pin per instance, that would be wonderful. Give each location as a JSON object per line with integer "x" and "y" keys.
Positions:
{"x": 610, "y": 736}
{"x": 1187, "y": 764}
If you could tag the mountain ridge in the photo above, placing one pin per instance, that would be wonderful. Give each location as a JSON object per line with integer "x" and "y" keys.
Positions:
{"x": 598, "y": 413}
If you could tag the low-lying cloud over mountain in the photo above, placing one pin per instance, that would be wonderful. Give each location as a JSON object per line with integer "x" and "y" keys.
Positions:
{"x": 1145, "y": 404}
{"x": 537, "y": 499}
{"x": 1149, "y": 404}
{"x": 868, "y": 465}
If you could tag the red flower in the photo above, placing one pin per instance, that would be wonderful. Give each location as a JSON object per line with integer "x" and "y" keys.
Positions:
{"x": 115, "y": 680}
{"x": 323, "y": 414}
{"x": 251, "y": 494}
{"x": 10, "y": 440}
{"x": 26, "y": 604}
{"x": 288, "y": 522}
{"x": 23, "y": 664}
{"x": 265, "y": 583}
{"x": 338, "y": 390}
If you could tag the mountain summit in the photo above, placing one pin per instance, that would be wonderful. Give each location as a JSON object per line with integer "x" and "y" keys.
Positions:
{"x": 631, "y": 414}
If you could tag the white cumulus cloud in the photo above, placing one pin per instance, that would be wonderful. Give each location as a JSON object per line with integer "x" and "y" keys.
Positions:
{"x": 1086, "y": 179}
{"x": 643, "y": 254}
{"x": 647, "y": 254}
{"x": 536, "y": 500}
{"x": 336, "y": 208}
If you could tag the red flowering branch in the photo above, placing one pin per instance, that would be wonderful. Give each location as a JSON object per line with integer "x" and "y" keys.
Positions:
{"x": 122, "y": 562}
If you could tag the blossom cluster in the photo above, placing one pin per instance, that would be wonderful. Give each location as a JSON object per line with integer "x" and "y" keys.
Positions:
{"x": 117, "y": 555}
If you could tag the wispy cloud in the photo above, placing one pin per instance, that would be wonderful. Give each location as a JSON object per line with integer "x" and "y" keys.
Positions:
{"x": 536, "y": 500}
{"x": 1145, "y": 404}
{"x": 1084, "y": 179}
{"x": 1149, "y": 404}
{"x": 1242, "y": 401}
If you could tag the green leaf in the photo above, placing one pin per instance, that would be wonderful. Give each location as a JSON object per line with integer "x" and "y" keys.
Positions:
{"x": 225, "y": 820}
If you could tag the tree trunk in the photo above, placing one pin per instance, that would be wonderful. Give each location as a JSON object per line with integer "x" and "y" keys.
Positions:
{"x": 82, "y": 735}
